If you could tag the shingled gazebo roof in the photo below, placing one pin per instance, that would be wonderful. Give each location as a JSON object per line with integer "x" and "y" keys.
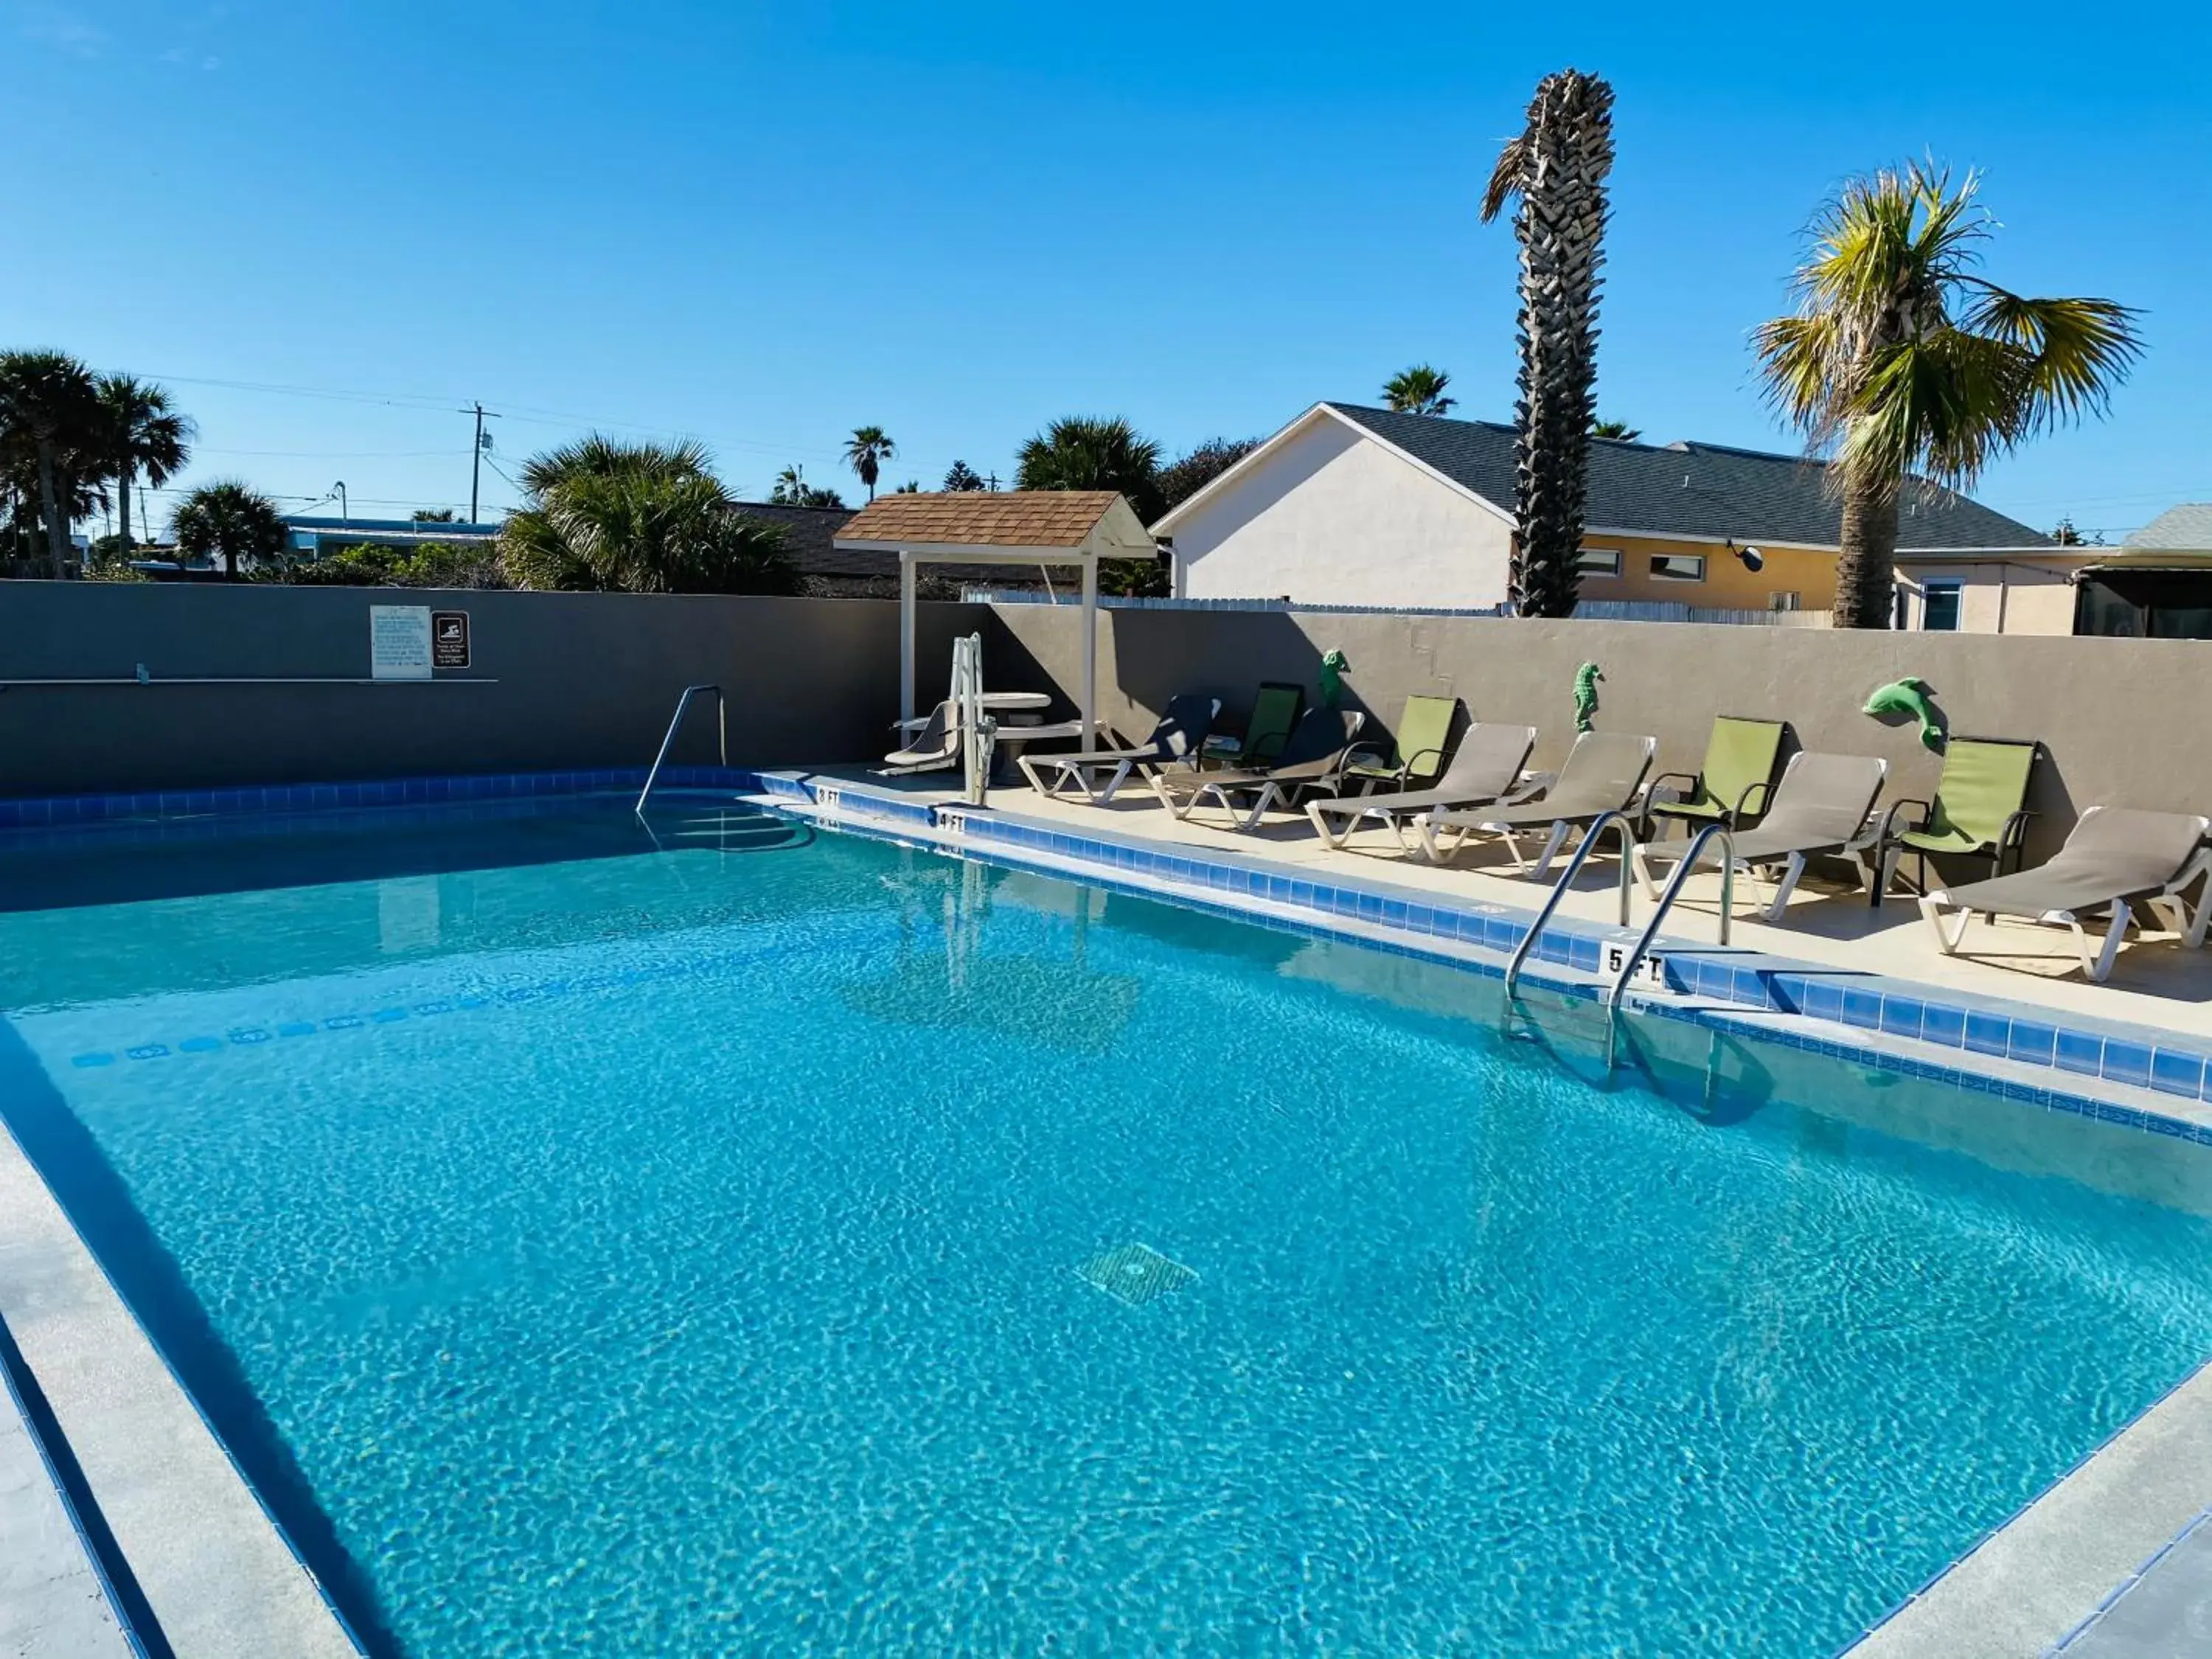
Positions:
{"x": 1031, "y": 523}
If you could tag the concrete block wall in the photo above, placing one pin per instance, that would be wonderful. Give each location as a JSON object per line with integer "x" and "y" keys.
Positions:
{"x": 2123, "y": 721}
{"x": 581, "y": 680}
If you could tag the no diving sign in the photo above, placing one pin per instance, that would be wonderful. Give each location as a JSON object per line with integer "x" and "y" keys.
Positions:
{"x": 449, "y": 639}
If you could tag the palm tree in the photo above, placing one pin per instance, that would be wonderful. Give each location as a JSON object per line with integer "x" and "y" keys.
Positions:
{"x": 1557, "y": 169}
{"x": 144, "y": 435}
{"x": 230, "y": 520}
{"x": 1418, "y": 391}
{"x": 608, "y": 516}
{"x": 1620, "y": 431}
{"x": 792, "y": 489}
{"x": 50, "y": 426}
{"x": 1901, "y": 360}
{"x": 1081, "y": 453}
{"x": 870, "y": 448}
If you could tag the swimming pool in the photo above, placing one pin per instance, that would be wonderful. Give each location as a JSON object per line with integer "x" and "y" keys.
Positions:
{"x": 736, "y": 1239}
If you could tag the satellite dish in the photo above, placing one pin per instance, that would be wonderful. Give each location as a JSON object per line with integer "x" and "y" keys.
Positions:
{"x": 1753, "y": 560}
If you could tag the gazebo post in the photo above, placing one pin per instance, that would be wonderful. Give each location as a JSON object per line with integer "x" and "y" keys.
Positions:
{"x": 1090, "y": 710}
{"x": 905, "y": 633}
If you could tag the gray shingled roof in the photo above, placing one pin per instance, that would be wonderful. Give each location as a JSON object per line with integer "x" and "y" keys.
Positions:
{"x": 1691, "y": 489}
{"x": 2184, "y": 529}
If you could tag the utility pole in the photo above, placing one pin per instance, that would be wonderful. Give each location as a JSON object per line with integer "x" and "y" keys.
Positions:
{"x": 475, "y": 455}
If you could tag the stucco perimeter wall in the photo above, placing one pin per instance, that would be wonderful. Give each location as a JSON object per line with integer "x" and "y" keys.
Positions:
{"x": 2125, "y": 720}
{"x": 1334, "y": 518}
{"x": 582, "y": 680}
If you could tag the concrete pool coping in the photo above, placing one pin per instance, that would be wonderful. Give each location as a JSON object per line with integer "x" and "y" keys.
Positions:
{"x": 218, "y": 1576}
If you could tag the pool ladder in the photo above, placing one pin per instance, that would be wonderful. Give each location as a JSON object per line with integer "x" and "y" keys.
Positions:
{"x": 684, "y": 702}
{"x": 1618, "y": 821}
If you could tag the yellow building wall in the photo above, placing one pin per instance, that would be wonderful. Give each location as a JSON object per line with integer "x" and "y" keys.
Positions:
{"x": 1810, "y": 575}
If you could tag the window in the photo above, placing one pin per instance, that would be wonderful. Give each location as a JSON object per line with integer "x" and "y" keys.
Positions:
{"x": 1787, "y": 601}
{"x": 1939, "y": 607}
{"x": 1677, "y": 567}
{"x": 1599, "y": 561}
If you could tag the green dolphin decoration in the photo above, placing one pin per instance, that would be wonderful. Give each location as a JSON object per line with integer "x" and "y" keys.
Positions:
{"x": 1909, "y": 696}
{"x": 1586, "y": 679}
{"x": 1333, "y": 667}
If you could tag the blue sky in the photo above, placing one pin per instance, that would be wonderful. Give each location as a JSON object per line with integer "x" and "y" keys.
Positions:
{"x": 764, "y": 225}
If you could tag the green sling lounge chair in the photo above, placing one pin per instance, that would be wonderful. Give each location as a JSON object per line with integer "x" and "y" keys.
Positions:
{"x": 1275, "y": 710}
{"x": 1424, "y": 730}
{"x": 1979, "y": 809}
{"x": 1732, "y": 787}
{"x": 2115, "y": 858}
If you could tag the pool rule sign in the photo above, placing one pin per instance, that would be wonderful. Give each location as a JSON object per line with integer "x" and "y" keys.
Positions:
{"x": 407, "y": 642}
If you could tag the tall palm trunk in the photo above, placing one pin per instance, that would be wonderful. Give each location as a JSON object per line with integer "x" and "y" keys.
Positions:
{"x": 1866, "y": 567}
{"x": 123, "y": 507}
{"x": 50, "y": 504}
{"x": 1558, "y": 168}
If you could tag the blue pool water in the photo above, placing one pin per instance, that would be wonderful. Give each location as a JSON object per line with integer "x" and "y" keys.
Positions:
{"x": 596, "y": 1248}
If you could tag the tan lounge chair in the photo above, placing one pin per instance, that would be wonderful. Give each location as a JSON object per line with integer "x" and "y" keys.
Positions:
{"x": 1176, "y": 740}
{"x": 1603, "y": 774}
{"x": 2115, "y": 859}
{"x": 1824, "y": 806}
{"x": 1313, "y": 759}
{"x": 1486, "y": 771}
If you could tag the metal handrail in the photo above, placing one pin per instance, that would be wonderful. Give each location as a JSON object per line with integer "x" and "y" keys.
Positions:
{"x": 1667, "y": 902}
{"x": 1574, "y": 867}
{"x": 721, "y": 721}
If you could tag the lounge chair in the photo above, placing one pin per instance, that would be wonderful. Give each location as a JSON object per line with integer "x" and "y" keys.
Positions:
{"x": 1313, "y": 759}
{"x": 1485, "y": 771}
{"x": 2115, "y": 859}
{"x": 1978, "y": 810}
{"x": 1424, "y": 745}
{"x": 1603, "y": 772}
{"x": 1823, "y": 807}
{"x": 1733, "y": 786}
{"x": 1276, "y": 709}
{"x": 934, "y": 747}
{"x": 1176, "y": 740}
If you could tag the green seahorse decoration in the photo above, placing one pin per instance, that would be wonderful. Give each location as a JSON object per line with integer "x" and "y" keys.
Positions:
{"x": 1586, "y": 679}
{"x": 1909, "y": 696}
{"x": 1333, "y": 667}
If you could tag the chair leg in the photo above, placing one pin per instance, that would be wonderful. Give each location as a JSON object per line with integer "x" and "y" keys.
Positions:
{"x": 1104, "y": 797}
{"x": 1946, "y": 941}
{"x": 1321, "y": 825}
{"x": 1542, "y": 868}
{"x": 2102, "y": 968}
{"x": 1641, "y": 866}
{"x": 1251, "y": 819}
{"x": 1780, "y": 906}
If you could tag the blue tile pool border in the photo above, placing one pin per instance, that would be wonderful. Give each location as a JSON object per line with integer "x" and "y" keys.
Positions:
{"x": 1726, "y": 981}
{"x": 169, "y": 805}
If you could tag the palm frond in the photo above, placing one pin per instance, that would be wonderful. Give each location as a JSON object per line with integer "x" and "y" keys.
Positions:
{"x": 2077, "y": 351}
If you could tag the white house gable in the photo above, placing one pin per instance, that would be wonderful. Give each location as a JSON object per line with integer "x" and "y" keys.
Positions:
{"x": 1330, "y": 516}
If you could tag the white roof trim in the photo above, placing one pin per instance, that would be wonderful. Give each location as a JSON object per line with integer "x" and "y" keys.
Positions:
{"x": 1312, "y": 417}
{"x": 962, "y": 553}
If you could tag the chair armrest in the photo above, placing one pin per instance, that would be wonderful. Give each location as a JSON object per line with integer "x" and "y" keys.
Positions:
{"x": 2015, "y": 829}
{"x": 1413, "y": 761}
{"x": 1743, "y": 807}
{"x": 1652, "y": 789}
{"x": 1274, "y": 744}
{"x": 1889, "y": 824}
